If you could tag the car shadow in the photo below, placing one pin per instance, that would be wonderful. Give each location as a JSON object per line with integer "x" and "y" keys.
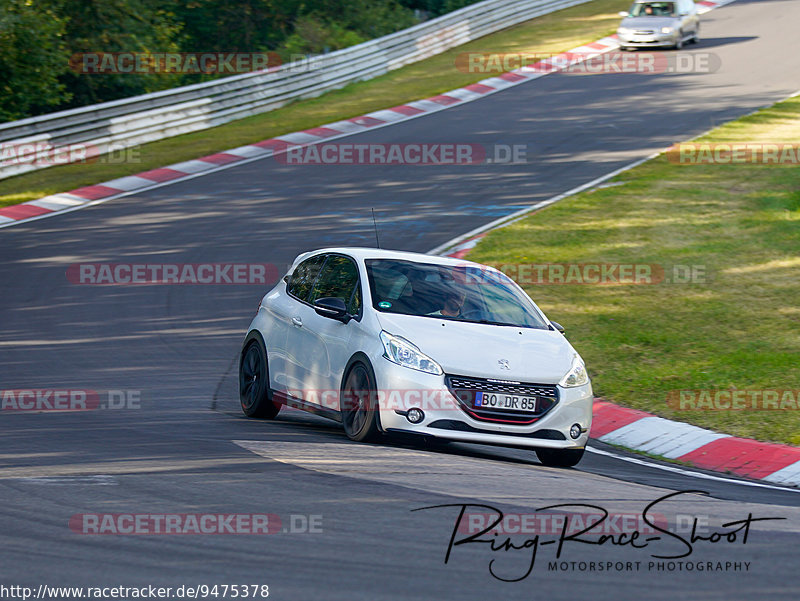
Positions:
{"x": 714, "y": 42}
{"x": 702, "y": 44}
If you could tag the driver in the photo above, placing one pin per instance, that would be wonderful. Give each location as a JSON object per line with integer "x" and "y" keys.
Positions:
{"x": 453, "y": 303}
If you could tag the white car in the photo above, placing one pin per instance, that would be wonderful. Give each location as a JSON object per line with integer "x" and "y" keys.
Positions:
{"x": 385, "y": 341}
{"x": 659, "y": 23}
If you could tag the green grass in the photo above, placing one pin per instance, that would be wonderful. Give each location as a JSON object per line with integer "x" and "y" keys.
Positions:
{"x": 650, "y": 455}
{"x": 551, "y": 33}
{"x": 738, "y": 329}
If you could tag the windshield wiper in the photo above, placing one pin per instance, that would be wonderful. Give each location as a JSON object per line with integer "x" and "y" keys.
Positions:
{"x": 495, "y": 323}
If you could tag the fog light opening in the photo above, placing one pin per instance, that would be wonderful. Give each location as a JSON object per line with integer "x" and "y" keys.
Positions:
{"x": 415, "y": 415}
{"x": 575, "y": 431}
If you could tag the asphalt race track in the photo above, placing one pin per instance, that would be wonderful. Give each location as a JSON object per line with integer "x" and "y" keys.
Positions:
{"x": 176, "y": 346}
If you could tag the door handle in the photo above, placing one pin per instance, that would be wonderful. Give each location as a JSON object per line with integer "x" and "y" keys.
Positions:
{"x": 296, "y": 321}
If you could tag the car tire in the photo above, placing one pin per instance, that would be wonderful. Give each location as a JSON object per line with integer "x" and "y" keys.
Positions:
{"x": 679, "y": 43}
{"x": 359, "y": 403}
{"x": 696, "y": 36}
{"x": 254, "y": 395}
{"x": 559, "y": 457}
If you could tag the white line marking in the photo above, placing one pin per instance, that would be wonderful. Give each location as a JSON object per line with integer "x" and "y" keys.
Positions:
{"x": 193, "y": 166}
{"x": 496, "y": 82}
{"x": 56, "y": 202}
{"x": 299, "y": 137}
{"x": 463, "y": 94}
{"x": 390, "y": 116}
{"x": 97, "y": 480}
{"x": 247, "y": 151}
{"x": 127, "y": 183}
{"x": 346, "y": 126}
{"x": 509, "y": 219}
{"x": 427, "y": 105}
{"x": 684, "y": 472}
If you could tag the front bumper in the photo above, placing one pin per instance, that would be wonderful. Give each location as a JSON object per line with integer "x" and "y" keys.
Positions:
{"x": 655, "y": 40}
{"x": 403, "y": 389}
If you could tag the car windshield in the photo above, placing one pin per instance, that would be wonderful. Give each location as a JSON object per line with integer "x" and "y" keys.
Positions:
{"x": 653, "y": 9}
{"x": 456, "y": 292}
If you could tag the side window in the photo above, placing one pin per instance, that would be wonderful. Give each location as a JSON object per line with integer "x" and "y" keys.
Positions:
{"x": 304, "y": 276}
{"x": 339, "y": 278}
{"x": 354, "y": 307}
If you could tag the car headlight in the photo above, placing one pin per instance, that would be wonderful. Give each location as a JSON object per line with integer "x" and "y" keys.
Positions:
{"x": 666, "y": 30}
{"x": 576, "y": 376}
{"x": 623, "y": 30}
{"x": 401, "y": 351}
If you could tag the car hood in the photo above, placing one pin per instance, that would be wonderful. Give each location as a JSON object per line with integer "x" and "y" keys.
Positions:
{"x": 472, "y": 349}
{"x": 655, "y": 23}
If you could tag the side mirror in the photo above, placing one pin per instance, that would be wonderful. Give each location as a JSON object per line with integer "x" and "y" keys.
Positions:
{"x": 333, "y": 308}
{"x": 622, "y": 13}
{"x": 557, "y": 326}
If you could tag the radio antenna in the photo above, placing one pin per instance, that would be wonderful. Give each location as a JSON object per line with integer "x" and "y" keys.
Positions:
{"x": 375, "y": 223}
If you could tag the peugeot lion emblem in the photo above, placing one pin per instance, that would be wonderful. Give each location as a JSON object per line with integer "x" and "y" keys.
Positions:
{"x": 503, "y": 363}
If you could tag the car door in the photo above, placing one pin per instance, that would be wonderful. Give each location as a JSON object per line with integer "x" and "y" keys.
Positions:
{"x": 286, "y": 311}
{"x": 688, "y": 17}
{"x": 323, "y": 344}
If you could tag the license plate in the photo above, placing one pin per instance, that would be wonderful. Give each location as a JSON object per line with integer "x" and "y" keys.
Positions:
{"x": 491, "y": 400}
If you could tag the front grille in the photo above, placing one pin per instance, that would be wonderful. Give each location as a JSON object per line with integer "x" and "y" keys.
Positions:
{"x": 644, "y": 32}
{"x": 465, "y": 387}
{"x": 502, "y": 387}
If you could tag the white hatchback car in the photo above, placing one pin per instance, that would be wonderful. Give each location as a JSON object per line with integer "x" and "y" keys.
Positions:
{"x": 385, "y": 341}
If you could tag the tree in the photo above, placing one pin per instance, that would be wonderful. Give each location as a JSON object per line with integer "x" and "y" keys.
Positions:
{"x": 100, "y": 26}
{"x": 32, "y": 57}
{"x": 47, "y": 47}
{"x": 240, "y": 26}
{"x": 435, "y": 8}
{"x": 333, "y": 24}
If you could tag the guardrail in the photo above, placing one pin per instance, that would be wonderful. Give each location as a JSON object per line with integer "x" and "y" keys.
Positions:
{"x": 98, "y": 129}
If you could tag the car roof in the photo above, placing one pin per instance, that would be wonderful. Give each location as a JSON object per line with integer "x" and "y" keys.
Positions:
{"x": 363, "y": 253}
